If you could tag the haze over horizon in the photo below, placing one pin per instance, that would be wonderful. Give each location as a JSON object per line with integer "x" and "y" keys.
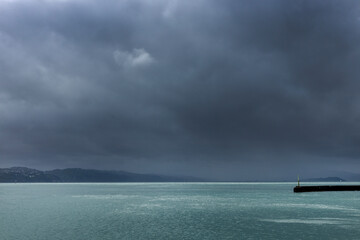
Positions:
{"x": 228, "y": 90}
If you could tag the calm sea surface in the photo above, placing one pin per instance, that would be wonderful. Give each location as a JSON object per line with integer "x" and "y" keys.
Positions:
{"x": 175, "y": 211}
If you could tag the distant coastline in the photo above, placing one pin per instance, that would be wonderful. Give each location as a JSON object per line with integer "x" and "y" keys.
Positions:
{"x": 327, "y": 179}
{"x": 68, "y": 175}
{"x": 28, "y": 175}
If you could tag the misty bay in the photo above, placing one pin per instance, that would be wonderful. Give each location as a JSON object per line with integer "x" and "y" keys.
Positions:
{"x": 175, "y": 211}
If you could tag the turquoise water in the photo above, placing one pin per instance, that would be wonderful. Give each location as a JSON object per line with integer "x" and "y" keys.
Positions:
{"x": 175, "y": 211}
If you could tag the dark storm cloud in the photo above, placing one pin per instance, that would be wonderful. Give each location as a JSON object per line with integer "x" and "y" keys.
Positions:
{"x": 230, "y": 89}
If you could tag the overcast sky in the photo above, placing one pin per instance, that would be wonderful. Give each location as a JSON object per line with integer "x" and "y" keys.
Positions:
{"x": 229, "y": 90}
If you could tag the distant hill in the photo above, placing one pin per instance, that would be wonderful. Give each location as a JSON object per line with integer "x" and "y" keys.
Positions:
{"x": 327, "y": 179}
{"x": 349, "y": 176}
{"x": 22, "y": 174}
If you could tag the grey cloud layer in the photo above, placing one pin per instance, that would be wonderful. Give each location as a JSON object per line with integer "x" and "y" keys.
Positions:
{"x": 198, "y": 87}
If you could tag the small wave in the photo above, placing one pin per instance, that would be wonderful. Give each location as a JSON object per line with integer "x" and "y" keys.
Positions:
{"x": 316, "y": 206}
{"x": 107, "y": 196}
{"x": 318, "y": 221}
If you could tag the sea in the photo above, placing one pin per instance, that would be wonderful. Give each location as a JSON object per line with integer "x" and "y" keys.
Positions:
{"x": 50, "y": 211}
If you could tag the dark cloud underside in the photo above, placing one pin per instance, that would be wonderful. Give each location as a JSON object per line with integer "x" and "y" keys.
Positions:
{"x": 223, "y": 89}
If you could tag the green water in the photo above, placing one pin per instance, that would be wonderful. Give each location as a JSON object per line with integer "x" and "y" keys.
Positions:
{"x": 175, "y": 211}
